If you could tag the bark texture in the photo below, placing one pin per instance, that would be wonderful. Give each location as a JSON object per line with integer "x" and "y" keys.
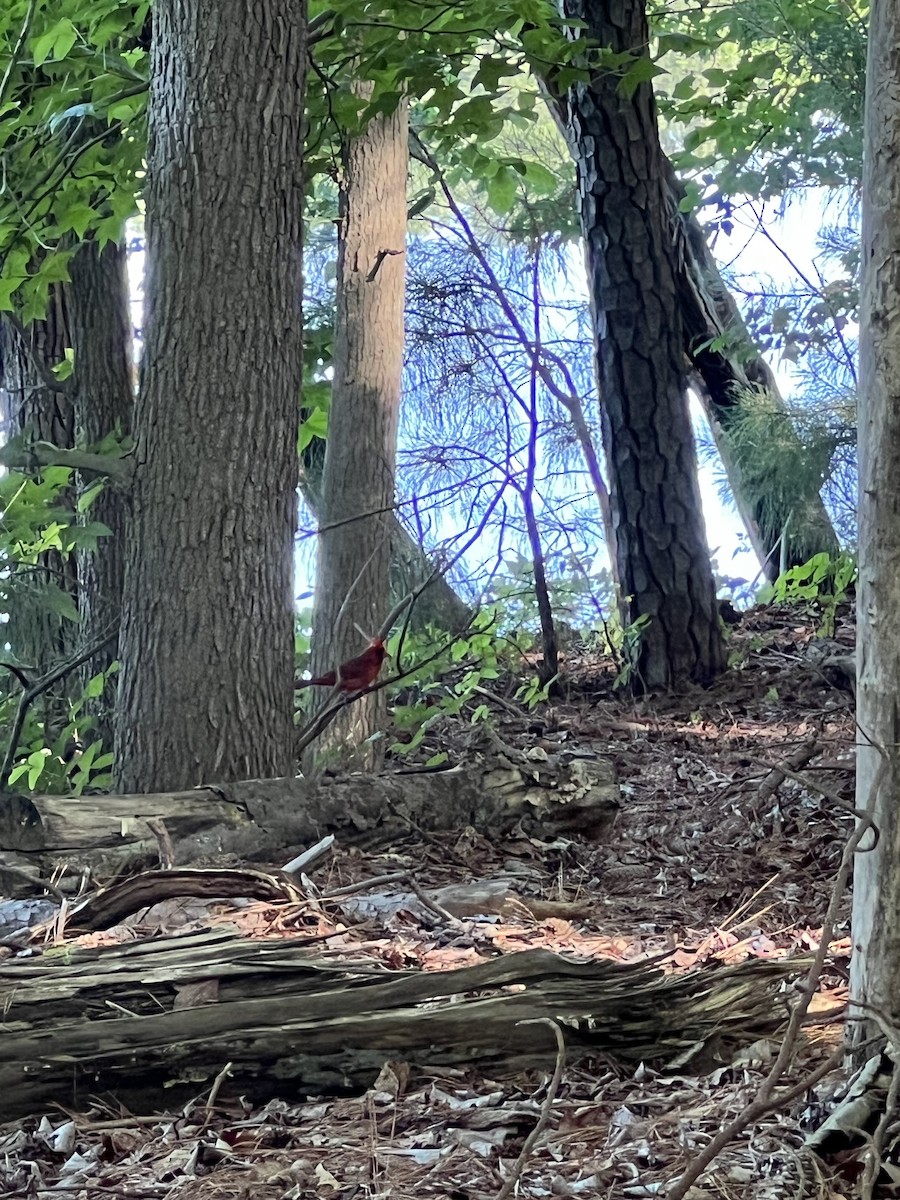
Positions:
{"x": 875, "y": 964}
{"x": 709, "y": 314}
{"x": 207, "y": 635}
{"x": 354, "y": 557}
{"x": 104, "y": 404}
{"x": 288, "y": 1022}
{"x": 627, "y": 220}
{"x": 33, "y": 410}
{"x": 260, "y": 819}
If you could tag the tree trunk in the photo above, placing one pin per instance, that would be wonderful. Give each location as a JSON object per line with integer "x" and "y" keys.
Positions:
{"x": 353, "y": 577}
{"x": 875, "y": 964}
{"x": 710, "y": 312}
{"x": 104, "y": 403}
{"x": 37, "y": 634}
{"x": 438, "y": 605}
{"x": 662, "y": 555}
{"x": 207, "y": 639}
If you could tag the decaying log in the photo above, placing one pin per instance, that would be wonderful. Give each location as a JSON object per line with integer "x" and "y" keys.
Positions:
{"x": 266, "y": 820}
{"x": 154, "y": 1022}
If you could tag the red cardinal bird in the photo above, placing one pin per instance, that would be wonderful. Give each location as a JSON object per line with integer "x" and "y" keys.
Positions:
{"x": 356, "y": 674}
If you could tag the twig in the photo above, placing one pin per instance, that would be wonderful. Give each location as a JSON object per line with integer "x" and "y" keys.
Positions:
{"x": 45, "y": 454}
{"x": 157, "y": 827}
{"x": 776, "y": 776}
{"x": 309, "y": 856}
{"x": 362, "y": 885}
{"x": 519, "y": 1165}
{"x": 432, "y": 905}
{"x": 875, "y": 1156}
{"x": 48, "y": 379}
{"x": 17, "y": 50}
{"x": 828, "y": 794}
{"x": 31, "y": 693}
{"x": 34, "y": 880}
{"x": 211, "y": 1098}
{"x": 765, "y": 1101}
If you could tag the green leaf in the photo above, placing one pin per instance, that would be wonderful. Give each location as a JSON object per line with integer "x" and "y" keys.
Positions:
{"x": 77, "y": 218}
{"x": 64, "y": 370}
{"x": 58, "y": 40}
{"x": 642, "y": 70}
{"x": 65, "y": 39}
{"x": 89, "y": 495}
{"x": 8, "y": 288}
{"x": 540, "y": 178}
{"x": 682, "y": 43}
{"x": 685, "y": 89}
{"x": 459, "y": 650}
{"x": 502, "y": 190}
{"x": 95, "y": 686}
{"x": 55, "y": 600}
{"x": 315, "y": 425}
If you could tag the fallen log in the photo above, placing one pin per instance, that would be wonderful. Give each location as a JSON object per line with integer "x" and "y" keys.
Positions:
{"x": 267, "y": 819}
{"x": 154, "y": 1022}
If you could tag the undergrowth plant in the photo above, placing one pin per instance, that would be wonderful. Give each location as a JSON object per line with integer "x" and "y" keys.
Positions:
{"x": 823, "y": 581}
{"x": 36, "y": 520}
{"x": 435, "y": 691}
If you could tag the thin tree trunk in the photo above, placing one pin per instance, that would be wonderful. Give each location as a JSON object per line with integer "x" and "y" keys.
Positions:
{"x": 875, "y": 964}
{"x": 353, "y": 578}
{"x": 710, "y": 312}
{"x": 104, "y": 404}
{"x": 438, "y": 605}
{"x": 662, "y": 556}
{"x": 36, "y": 411}
{"x": 207, "y": 639}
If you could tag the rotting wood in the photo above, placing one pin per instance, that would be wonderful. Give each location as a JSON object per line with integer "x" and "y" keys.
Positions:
{"x": 270, "y": 819}
{"x": 82, "y": 1020}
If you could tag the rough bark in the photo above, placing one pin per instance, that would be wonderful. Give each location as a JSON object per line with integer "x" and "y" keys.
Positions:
{"x": 709, "y": 314}
{"x": 875, "y": 964}
{"x": 354, "y": 556}
{"x": 104, "y": 404}
{"x": 35, "y": 411}
{"x": 626, "y": 213}
{"x": 266, "y": 819}
{"x": 207, "y": 640}
{"x": 283, "y": 1018}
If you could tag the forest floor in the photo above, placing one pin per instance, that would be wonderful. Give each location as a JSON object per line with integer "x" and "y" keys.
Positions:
{"x": 711, "y": 857}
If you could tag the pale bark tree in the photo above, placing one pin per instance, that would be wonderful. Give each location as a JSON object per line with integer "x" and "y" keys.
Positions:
{"x": 208, "y": 620}
{"x": 356, "y": 518}
{"x": 662, "y": 557}
{"x": 875, "y": 964}
{"x": 437, "y": 604}
{"x": 104, "y": 404}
